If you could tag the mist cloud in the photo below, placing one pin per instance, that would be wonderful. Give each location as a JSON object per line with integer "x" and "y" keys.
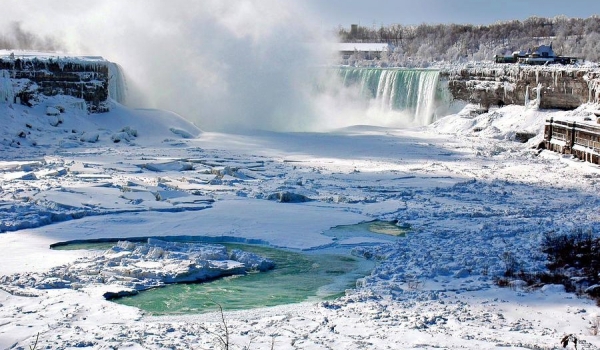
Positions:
{"x": 221, "y": 64}
{"x": 14, "y": 37}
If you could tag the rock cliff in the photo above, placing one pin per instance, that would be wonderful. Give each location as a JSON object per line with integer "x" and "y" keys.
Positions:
{"x": 84, "y": 78}
{"x": 559, "y": 87}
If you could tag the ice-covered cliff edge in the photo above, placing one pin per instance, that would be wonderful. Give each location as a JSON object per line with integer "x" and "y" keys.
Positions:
{"x": 24, "y": 76}
{"x": 557, "y": 86}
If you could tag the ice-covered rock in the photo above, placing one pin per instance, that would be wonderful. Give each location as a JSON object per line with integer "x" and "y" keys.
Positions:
{"x": 184, "y": 134}
{"x": 55, "y": 120}
{"x": 90, "y": 137}
{"x": 138, "y": 266}
{"x": 251, "y": 261}
{"x": 462, "y": 273}
{"x": 120, "y": 136}
{"x": 52, "y": 111}
{"x": 126, "y": 134}
{"x": 551, "y": 87}
{"x": 288, "y": 197}
{"x": 553, "y": 288}
{"x": 169, "y": 166}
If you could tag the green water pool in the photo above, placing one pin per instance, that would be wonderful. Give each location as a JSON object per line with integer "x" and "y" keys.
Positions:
{"x": 297, "y": 277}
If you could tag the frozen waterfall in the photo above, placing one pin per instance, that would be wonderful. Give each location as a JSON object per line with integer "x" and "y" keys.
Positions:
{"x": 117, "y": 87}
{"x": 6, "y": 88}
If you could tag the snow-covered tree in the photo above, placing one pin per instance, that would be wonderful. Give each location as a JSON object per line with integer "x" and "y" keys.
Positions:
{"x": 456, "y": 42}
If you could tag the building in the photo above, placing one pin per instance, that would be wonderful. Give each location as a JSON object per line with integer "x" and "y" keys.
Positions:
{"x": 543, "y": 54}
{"x": 368, "y": 51}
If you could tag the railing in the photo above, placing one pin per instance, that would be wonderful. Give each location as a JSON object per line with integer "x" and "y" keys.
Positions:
{"x": 585, "y": 141}
{"x": 580, "y": 139}
{"x": 559, "y": 133}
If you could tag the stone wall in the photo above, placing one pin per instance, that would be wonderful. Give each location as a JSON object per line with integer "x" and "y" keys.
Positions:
{"x": 81, "y": 78}
{"x": 560, "y": 87}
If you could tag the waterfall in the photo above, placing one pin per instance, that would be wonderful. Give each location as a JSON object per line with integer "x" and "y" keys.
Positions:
{"x": 7, "y": 93}
{"x": 415, "y": 91}
{"x": 117, "y": 87}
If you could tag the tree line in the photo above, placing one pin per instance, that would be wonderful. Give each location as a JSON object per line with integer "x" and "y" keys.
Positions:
{"x": 427, "y": 43}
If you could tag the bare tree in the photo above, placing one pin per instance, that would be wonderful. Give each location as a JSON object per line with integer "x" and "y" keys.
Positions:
{"x": 454, "y": 42}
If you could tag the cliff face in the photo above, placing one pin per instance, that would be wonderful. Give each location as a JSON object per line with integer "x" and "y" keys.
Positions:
{"x": 81, "y": 78}
{"x": 560, "y": 87}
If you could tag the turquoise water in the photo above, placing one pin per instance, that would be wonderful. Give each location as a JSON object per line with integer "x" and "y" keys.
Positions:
{"x": 297, "y": 277}
{"x": 373, "y": 229}
{"x": 86, "y": 246}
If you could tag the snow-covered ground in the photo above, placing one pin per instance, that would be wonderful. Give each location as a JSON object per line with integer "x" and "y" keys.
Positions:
{"x": 469, "y": 193}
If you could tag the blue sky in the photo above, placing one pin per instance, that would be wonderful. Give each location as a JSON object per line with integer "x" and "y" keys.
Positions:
{"x": 369, "y": 12}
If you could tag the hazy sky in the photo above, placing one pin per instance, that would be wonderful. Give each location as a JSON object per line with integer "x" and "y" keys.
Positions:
{"x": 367, "y": 13}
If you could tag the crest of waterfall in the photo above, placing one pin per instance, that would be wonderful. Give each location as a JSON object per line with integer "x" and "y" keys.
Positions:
{"x": 415, "y": 91}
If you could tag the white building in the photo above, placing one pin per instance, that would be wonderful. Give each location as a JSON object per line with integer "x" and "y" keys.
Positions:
{"x": 368, "y": 51}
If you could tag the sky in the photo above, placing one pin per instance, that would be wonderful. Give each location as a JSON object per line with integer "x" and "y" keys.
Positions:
{"x": 333, "y": 13}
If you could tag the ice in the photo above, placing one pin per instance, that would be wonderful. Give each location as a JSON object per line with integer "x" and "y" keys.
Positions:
{"x": 169, "y": 166}
{"x": 469, "y": 193}
{"x": 139, "y": 267}
{"x": 6, "y": 88}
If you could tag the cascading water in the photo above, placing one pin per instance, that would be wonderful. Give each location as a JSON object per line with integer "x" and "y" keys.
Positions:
{"x": 117, "y": 87}
{"x": 417, "y": 92}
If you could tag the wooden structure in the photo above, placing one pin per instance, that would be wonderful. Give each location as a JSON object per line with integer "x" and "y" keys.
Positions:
{"x": 582, "y": 140}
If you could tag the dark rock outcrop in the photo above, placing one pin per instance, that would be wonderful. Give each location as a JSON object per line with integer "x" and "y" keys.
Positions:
{"x": 82, "y": 78}
{"x": 288, "y": 197}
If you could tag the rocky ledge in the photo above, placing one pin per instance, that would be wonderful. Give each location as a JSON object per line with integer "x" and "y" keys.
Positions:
{"x": 558, "y": 87}
{"x": 86, "y": 78}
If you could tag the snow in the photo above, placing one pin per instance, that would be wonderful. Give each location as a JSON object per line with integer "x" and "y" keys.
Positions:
{"x": 469, "y": 193}
{"x": 362, "y": 47}
{"x": 129, "y": 267}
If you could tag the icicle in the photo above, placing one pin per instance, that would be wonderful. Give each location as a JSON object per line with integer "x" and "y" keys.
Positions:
{"x": 7, "y": 93}
{"x": 527, "y": 96}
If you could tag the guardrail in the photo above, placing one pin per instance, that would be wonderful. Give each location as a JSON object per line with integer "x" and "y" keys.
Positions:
{"x": 582, "y": 140}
